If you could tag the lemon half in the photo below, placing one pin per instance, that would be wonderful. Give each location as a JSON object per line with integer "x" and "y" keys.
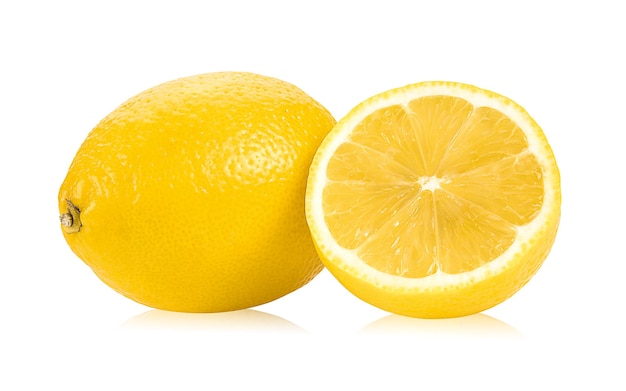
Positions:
{"x": 437, "y": 199}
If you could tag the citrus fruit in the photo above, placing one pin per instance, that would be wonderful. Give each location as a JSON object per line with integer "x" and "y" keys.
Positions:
{"x": 190, "y": 195}
{"x": 436, "y": 199}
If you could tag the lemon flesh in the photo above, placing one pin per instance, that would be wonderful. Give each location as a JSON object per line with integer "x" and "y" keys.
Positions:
{"x": 434, "y": 200}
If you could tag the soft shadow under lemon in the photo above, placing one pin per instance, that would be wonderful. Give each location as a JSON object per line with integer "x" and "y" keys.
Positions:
{"x": 243, "y": 321}
{"x": 478, "y": 325}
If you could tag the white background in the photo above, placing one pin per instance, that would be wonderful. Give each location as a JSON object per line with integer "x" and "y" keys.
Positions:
{"x": 65, "y": 65}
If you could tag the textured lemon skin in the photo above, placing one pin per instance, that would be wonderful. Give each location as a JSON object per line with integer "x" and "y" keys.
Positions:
{"x": 191, "y": 194}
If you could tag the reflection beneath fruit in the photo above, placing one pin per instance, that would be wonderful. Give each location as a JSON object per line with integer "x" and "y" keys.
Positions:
{"x": 243, "y": 321}
{"x": 478, "y": 325}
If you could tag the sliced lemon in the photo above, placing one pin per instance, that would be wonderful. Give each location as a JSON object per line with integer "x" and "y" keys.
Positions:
{"x": 437, "y": 199}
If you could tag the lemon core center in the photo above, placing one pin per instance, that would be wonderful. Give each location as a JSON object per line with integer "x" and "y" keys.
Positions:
{"x": 431, "y": 183}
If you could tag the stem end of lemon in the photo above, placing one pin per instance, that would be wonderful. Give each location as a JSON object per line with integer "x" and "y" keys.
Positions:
{"x": 70, "y": 221}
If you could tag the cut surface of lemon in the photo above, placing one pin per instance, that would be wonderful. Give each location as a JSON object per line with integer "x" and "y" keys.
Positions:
{"x": 437, "y": 199}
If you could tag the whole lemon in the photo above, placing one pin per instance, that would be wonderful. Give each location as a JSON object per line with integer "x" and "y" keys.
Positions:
{"x": 190, "y": 195}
